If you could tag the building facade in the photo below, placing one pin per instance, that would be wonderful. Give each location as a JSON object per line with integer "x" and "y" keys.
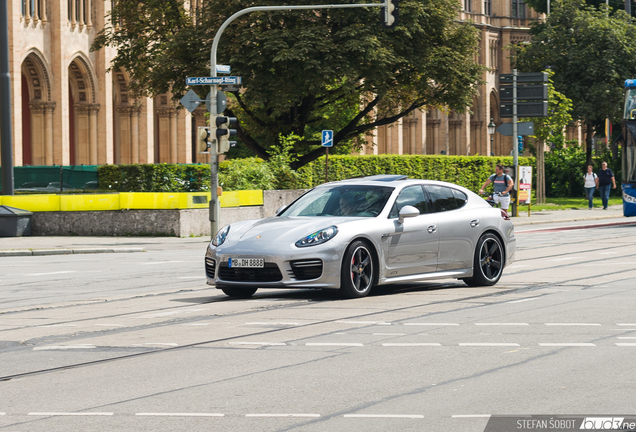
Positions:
{"x": 68, "y": 109}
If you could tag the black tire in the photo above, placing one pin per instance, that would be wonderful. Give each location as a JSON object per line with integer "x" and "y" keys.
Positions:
{"x": 357, "y": 276}
{"x": 239, "y": 292}
{"x": 488, "y": 262}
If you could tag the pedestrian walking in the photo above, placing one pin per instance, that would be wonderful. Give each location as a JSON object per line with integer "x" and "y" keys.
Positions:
{"x": 605, "y": 181}
{"x": 591, "y": 183}
{"x": 502, "y": 184}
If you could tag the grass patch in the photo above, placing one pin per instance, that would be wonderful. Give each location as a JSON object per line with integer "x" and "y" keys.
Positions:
{"x": 570, "y": 203}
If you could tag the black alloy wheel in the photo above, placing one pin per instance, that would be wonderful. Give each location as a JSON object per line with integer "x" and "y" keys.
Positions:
{"x": 488, "y": 262}
{"x": 357, "y": 275}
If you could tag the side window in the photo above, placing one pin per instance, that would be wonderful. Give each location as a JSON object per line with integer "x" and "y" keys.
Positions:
{"x": 460, "y": 198}
{"x": 413, "y": 196}
{"x": 442, "y": 197}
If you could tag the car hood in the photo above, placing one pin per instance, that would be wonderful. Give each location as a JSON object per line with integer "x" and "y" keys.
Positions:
{"x": 283, "y": 228}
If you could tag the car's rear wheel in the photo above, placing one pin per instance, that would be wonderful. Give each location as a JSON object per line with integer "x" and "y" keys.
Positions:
{"x": 488, "y": 261}
{"x": 239, "y": 292}
{"x": 357, "y": 276}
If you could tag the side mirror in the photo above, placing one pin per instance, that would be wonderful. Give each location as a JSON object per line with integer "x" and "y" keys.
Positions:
{"x": 280, "y": 210}
{"x": 408, "y": 212}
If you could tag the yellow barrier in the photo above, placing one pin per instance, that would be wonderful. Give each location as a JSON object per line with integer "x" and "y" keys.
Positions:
{"x": 33, "y": 203}
{"x": 130, "y": 201}
{"x": 89, "y": 202}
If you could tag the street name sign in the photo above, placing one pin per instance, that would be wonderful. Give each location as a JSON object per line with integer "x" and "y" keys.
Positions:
{"x": 223, "y": 68}
{"x": 234, "y": 80}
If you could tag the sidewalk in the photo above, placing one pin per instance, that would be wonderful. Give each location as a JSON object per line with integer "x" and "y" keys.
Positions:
{"x": 40, "y": 245}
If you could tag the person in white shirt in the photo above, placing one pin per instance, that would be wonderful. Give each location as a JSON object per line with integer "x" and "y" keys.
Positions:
{"x": 591, "y": 183}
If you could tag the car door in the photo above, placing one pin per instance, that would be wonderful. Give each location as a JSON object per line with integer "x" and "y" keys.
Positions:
{"x": 411, "y": 246}
{"x": 456, "y": 227}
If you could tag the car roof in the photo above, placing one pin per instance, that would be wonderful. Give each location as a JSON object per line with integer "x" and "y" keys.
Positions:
{"x": 399, "y": 181}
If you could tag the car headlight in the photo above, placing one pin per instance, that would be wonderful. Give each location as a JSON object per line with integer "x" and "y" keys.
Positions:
{"x": 221, "y": 236}
{"x": 319, "y": 237}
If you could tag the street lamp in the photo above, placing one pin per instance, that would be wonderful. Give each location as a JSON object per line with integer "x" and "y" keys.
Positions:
{"x": 491, "y": 131}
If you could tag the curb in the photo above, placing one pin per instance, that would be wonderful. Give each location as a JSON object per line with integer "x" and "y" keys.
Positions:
{"x": 523, "y": 220}
{"x": 41, "y": 252}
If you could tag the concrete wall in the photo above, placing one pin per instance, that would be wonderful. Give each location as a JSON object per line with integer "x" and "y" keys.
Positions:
{"x": 173, "y": 223}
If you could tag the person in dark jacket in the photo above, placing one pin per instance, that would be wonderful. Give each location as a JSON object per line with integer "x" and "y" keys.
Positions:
{"x": 605, "y": 181}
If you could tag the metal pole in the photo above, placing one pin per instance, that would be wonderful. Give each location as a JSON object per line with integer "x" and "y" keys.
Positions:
{"x": 326, "y": 164}
{"x": 214, "y": 160}
{"x": 6, "y": 132}
{"x": 515, "y": 142}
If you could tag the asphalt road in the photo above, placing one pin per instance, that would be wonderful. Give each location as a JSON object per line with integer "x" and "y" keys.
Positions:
{"x": 147, "y": 346}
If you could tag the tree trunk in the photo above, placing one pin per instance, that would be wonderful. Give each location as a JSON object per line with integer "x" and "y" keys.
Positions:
{"x": 540, "y": 188}
{"x": 589, "y": 139}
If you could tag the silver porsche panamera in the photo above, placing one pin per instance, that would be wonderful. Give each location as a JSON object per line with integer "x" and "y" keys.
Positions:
{"x": 355, "y": 234}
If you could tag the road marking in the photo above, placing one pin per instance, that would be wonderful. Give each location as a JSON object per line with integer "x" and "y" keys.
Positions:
{"x": 181, "y": 414}
{"x": 58, "y": 325}
{"x": 502, "y": 324}
{"x": 45, "y": 274}
{"x": 565, "y": 258}
{"x": 63, "y": 347}
{"x": 625, "y": 324}
{"x": 471, "y": 416}
{"x": 259, "y": 343}
{"x": 160, "y": 262}
{"x": 162, "y": 344}
{"x": 410, "y": 344}
{"x": 430, "y": 324}
{"x": 282, "y": 415}
{"x": 626, "y": 337}
{"x": 70, "y": 414}
{"x": 410, "y": 416}
{"x": 567, "y": 344}
{"x": 389, "y": 334}
{"x": 363, "y": 322}
{"x": 1, "y": 413}
{"x": 525, "y": 299}
{"x": 488, "y": 344}
{"x": 272, "y": 323}
{"x": 626, "y": 344}
{"x": 334, "y": 344}
{"x": 572, "y": 324}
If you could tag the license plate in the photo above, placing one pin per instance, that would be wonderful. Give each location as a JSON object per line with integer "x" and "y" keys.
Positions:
{"x": 246, "y": 262}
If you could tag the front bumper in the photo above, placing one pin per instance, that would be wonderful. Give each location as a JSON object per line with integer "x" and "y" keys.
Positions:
{"x": 285, "y": 266}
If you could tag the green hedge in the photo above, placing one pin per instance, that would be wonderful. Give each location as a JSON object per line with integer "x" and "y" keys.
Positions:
{"x": 254, "y": 173}
{"x": 467, "y": 171}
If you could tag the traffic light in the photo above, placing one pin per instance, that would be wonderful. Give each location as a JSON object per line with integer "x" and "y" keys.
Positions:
{"x": 390, "y": 13}
{"x": 203, "y": 139}
{"x": 520, "y": 143}
{"x": 223, "y": 133}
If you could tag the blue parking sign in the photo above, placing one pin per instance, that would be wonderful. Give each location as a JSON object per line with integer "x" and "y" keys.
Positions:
{"x": 327, "y": 138}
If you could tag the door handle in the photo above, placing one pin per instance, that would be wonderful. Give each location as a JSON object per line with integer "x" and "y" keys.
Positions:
{"x": 431, "y": 228}
{"x": 474, "y": 223}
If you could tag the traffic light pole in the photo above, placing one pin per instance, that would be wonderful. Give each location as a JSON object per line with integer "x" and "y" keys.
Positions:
{"x": 515, "y": 145}
{"x": 6, "y": 133}
{"x": 215, "y": 206}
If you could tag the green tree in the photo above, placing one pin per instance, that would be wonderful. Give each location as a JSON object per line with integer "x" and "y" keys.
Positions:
{"x": 591, "y": 53}
{"x": 303, "y": 71}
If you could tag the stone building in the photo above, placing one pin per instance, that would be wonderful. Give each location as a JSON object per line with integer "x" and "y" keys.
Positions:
{"x": 67, "y": 110}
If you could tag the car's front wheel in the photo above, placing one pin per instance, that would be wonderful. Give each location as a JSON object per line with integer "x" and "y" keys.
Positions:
{"x": 357, "y": 275}
{"x": 239, "y": 292}
{"x": 488, "y": 261}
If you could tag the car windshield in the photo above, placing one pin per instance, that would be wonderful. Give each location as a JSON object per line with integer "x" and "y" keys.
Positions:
{"x": 341, "y": 200}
